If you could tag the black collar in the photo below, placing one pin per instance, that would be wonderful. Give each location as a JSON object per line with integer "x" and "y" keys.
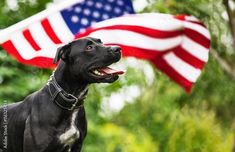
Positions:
{"x": 63, "y": 99}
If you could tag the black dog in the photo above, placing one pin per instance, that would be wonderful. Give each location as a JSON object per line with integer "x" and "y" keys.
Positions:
{"x": 53, "y": 118}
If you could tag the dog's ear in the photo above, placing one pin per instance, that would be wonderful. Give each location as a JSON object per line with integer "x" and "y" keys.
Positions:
{"x": 62, "y": 53}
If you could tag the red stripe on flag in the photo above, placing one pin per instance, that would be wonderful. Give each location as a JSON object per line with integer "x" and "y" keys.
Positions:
{"x": 138, "y": 52}
{"x": 28, "y": 36}
{"x": 161, "y": 64}
{"x": 138, "y": 29}
{"x": 197, "y": 37}
{"x": 50, "y": 32}
{"x": 189, "y": 58}
{"x": 42, "y": 62}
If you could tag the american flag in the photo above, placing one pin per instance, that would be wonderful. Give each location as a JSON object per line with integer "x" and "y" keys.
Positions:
{"x": 177, "y": 45}
{"x": 34, "y": 41}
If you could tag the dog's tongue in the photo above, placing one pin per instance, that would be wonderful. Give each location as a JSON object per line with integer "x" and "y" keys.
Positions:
{"x": 108, "y": 70}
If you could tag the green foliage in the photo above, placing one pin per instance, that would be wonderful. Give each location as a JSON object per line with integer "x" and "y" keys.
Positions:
{"x": 163, "y": 118}
{"x": 196, "y": 132}
{"x": 16, "y": 80}
{"x": 113, "y": 138}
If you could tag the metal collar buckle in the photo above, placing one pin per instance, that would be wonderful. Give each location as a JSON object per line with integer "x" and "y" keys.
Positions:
{"x": 75, "y": 103}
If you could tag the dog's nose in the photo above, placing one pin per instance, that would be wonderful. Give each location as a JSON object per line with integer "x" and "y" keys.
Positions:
{"x": 116, "y": 49}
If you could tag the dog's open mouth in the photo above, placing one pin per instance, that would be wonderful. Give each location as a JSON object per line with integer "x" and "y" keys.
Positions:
{"x": 106, "y": 72}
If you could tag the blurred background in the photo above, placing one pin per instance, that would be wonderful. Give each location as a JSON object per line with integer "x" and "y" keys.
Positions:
{"x": 145, "y": 111}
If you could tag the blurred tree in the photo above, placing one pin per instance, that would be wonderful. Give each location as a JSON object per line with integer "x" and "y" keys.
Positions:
{"x": 163, "y": 118}
{"x": 215, "y": 88}
{"x": 17, "y": 80}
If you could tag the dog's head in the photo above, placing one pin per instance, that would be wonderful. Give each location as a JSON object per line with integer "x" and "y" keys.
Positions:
{"x": 87, "y": 59}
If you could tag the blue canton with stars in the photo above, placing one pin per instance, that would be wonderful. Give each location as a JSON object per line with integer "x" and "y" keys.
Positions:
{"x": 84, "y": 14}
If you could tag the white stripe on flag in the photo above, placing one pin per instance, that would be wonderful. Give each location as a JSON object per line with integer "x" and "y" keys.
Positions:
{"x": 147, "y": 21}
{"x": 22, "y": 46}
{"x": 195, "y": 49}
{"x": 130, "y": 38}
{"x": 184, "y": 69}
{"x": 41, "y": 37}
{"x": 192, "y": 18}
{"x": 25, "y": 49}
{"x": 60, "y": 28}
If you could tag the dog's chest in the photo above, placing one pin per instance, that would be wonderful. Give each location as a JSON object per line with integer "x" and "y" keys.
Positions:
{"x": 71, "y": 134}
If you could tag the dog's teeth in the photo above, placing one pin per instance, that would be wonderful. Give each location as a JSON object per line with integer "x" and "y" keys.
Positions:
{"x": 98, "y": 73}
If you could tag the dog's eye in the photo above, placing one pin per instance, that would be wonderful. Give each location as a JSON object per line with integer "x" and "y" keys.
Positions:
{"x": 89, "y": 47}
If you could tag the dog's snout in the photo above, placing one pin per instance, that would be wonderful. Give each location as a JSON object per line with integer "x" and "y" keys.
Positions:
{"x": 115, "y": 50}
{"x": 114, "y": 53}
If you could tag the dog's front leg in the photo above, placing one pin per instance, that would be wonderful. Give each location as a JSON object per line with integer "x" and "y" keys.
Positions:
{"x": 37, "y": 139}
{"x": 28, "y": 142}
{"x": 81, "y": 124}
{"x": 77, "y": 146}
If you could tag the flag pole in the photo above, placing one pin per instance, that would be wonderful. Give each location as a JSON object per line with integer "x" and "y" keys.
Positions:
{"x": 4, "y": 34}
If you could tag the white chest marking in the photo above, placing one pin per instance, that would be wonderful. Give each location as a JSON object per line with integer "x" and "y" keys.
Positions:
{"x": 69, "y": 137}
